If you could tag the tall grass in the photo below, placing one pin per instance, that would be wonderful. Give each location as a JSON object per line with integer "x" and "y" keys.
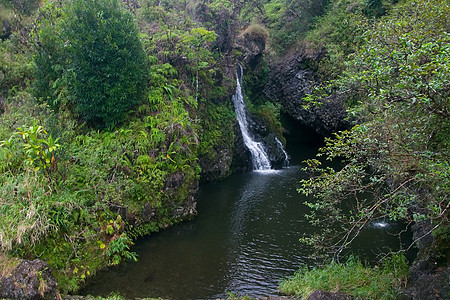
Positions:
{"x": 24, "y": 219}
{"x": 7, "y": 264}
{"x": 352, "y": 278}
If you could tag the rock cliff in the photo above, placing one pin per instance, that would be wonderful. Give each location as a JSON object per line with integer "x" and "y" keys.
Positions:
{"x": 290, "y": 80}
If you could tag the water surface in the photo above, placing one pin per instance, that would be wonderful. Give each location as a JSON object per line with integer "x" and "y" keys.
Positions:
{"x": 244, "y": 240}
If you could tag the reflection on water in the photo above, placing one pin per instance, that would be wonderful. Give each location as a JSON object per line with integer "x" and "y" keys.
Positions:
{"x": 264, "y": 232}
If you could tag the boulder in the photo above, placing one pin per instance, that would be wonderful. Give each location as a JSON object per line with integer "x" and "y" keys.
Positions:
{"x": 428, "y": 284}
{"x": 30, "y": 280}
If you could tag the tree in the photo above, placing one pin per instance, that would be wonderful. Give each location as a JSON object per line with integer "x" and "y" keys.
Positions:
{"x": 92, "y": 48}
{"x": 396, "y": 159}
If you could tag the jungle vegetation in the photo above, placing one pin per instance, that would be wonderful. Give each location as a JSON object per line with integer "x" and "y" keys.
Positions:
{"x": 100, "y": 115}
{"x": 395, "y": 83}
{"x": 389, "y": 63}
{"x": 105, "y": 103}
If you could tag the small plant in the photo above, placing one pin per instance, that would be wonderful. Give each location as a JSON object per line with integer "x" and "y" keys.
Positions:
{"x": 39, "y": 150}
{"x": 118, "y": 249}
{"x": 233, "y": 296}
{"x": 82, "y": 272}
{"x": 114, "y": 226}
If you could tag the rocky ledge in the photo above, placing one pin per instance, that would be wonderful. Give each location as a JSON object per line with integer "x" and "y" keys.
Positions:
{"x": 30, "y": 280}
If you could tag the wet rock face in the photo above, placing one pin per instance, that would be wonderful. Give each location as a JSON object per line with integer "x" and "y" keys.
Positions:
{"x": 242, "y": 160}
{"x": 262, "y": 133}
{"x": 148, "y": 213}
{"x": 429, "y": 275}
{"x": 218, "y": 168}
{"x": 290, "y": 81}
{"x": 172, "y": 186}
{"x": 183, "y": 206}
{"x": 233, "y": 158}
{"x": 29, "y": 280}
{"x": 276, "y": 155}
{"x": 173, "y": 182}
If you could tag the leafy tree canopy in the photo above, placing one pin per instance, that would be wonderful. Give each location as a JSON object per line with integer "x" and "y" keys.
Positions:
{"x": 92, "y": 49}
{"x": 396, "y": 157}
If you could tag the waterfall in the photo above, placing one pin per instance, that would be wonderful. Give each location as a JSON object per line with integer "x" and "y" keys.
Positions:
{"x": 260, "y": 159}
{"x": 286, "y": 156}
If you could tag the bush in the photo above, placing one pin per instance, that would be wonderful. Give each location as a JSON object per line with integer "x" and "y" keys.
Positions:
{"x": 257, "y": 33}
{"x": 93, "y": 49}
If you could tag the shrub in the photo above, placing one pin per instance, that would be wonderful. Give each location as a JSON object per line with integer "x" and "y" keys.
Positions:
{"x": 93, "y": 48}
{"x": 257, "y": 33}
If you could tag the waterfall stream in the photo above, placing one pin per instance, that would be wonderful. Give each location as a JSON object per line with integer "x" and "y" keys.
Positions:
{"x": 260, "y": 159}
{"x": 286, "y": 163}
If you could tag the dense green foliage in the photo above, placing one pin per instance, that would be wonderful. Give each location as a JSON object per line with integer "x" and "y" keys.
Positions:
{"x": 217, "y": 130}
{"x": 108, "y": 106}
{"x": 75, "y": 196}
{"x": 93, "y": 51}
{"x": 57, "y": 196}
{"x": 396, "y": 85}
{"x": 351, "y": 278}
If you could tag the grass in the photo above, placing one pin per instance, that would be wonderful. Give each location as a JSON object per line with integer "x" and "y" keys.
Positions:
{"x": 7, "y": 264}
{"x": 352, "y": 278}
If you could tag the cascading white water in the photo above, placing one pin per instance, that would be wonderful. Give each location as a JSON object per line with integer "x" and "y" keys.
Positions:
{"x": 286, "y": 156}
{"x": 260, "y": 159}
